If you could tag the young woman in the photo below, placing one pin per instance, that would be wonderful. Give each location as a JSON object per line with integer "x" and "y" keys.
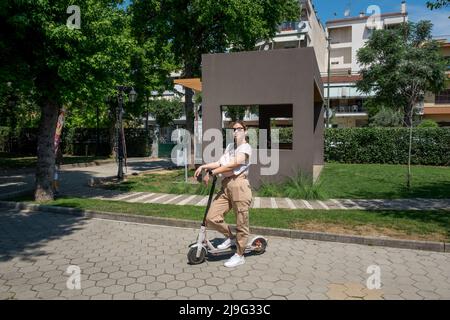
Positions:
{"x": 235, "y": 193}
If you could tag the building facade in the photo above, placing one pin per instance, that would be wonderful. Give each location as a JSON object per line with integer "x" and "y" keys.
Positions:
{"x": 437, "y": 106}
{"x": 346, "y": 37}
{"x": 308, "y": 31}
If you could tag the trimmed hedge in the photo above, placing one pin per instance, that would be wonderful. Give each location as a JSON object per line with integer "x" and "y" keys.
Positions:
{"x": 76, "y": 141}
{"x": 430, "y": 146}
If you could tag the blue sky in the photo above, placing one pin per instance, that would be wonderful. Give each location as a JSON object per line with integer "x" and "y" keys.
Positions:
{"x": 417, "y": 10}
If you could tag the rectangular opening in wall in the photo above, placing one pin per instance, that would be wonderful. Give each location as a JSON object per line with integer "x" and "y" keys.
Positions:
{"x": 277, "y": 117}
{"x": 257, "y": 117}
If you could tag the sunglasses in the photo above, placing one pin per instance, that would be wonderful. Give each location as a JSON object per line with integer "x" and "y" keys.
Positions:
{"x": 238, "y": 129}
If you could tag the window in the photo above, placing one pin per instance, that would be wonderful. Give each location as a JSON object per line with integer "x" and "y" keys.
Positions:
{"x": 443, "y": 97}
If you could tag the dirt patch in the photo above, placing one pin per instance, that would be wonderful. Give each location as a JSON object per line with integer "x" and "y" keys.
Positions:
{"x": 365, "y": 230}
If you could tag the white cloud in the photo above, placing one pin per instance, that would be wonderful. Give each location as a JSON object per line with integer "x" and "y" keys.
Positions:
{"x": 439, "y": 18}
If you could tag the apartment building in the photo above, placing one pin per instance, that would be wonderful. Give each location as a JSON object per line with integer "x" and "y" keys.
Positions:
{"x": 307, "y": 31}
{"x": 437, "y": 107}
{"x": 347, "y": 36}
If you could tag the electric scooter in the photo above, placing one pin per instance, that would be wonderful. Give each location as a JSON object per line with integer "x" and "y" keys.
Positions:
{"x": 198, "y": 250}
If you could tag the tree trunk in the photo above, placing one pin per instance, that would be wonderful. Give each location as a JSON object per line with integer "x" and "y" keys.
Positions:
{"x": 407, "y": 117}
{"x": 408, "y": 180}
{"x": 46, "y": 151}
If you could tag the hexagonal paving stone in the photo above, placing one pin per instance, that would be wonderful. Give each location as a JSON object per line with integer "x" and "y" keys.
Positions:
{"x": 246, "y": 286}
{"x": 279, "y": 291}
{"x": 126, "y": 281}
{"x": 123, "y": 296}
{"x": 114, "y": 289}
{"x": 93, "y": 291}
{"x": 166, "y": 293}
{"x": 98, "y": 276}
{"x": 48, "y": 294}
{"x": 137, "y": 287}
{"x": 187, "y": 292}
{"x": 241, "y": 295}
{"x": 165, "y": 278}
{"x": 261, "y": 293}
{"x": 105, "y": 283}
{"x": 208, "y": 290}
{"x": 184, "y": 276}
{"x": 117, "y": 275}
{"x": 195, "y": 283}
{"x": 215, "y": 281}
{"x": 145, "y": 295}
{"x": 145, "y": 279}
{"x": 175, "y": 284}
{"x": 155, "y": 286}
{"x": 136, "y": 273}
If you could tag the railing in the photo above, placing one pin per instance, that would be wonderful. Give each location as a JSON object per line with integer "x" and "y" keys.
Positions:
{"x": 349, "y": 109}
{"x": 292, "y": 26}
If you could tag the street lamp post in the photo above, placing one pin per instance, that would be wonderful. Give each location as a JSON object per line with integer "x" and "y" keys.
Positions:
{"x": 120, "y": 134}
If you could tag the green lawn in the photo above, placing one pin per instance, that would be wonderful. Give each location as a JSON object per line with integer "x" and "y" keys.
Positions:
{"x": 376, "y": 181}
{"x": 419, "y": 225}
{"x": 167, "y": 181}
{"x": 8, "y": 161}
{"x": 354, "y": 181}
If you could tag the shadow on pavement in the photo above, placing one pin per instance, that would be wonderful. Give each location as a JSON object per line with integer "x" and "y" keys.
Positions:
{"x": 24, "y": 233}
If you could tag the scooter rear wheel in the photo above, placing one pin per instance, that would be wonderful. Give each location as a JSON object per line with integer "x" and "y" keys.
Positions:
{"x": 192, "y": 255}
{"x": 259, "y": 245}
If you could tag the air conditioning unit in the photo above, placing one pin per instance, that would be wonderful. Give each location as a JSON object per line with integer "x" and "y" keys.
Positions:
{"x": 303, "y": 26}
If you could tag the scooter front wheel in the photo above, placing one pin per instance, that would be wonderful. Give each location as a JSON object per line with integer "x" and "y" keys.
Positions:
{"x": 259, "y": 245}
{"x": 192, "y": 255}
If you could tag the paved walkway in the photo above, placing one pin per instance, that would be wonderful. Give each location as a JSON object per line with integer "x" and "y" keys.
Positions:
{"x": 78, "y": 179}
{"x": 272, "y": 203}
{"x": 75, "y": 182}
{"x": 119, "y": 260}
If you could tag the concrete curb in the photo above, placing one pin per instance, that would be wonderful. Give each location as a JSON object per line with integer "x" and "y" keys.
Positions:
{"x": 287, "y": 233}
{"x": 87, "y": 164}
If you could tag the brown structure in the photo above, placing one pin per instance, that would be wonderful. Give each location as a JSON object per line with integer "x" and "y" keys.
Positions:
{"x": 283, "y": 83}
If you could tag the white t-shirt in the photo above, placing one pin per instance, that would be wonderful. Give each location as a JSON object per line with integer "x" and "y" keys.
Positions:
{"x": 231, "y": 153}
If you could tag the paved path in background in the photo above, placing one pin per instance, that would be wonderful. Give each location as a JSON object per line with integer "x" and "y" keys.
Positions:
{"x": 77, "y": 179}
{"x": 75, "y": 182}
{"x": 271, "y": 203}
{"x": 120, "y": 260}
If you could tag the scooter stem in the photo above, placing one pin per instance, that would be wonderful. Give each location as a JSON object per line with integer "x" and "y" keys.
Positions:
{"x": 211, "y": 193}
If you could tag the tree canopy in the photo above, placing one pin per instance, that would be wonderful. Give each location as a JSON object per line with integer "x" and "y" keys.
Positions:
{"x": 400, "y": 65}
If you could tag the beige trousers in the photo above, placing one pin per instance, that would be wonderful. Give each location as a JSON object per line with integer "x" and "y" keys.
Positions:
{"x": 235, "y": 194}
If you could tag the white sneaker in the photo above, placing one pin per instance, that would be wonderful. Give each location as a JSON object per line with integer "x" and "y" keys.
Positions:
{"x": 234, "y": 261}
{"x": 226, "y": 244}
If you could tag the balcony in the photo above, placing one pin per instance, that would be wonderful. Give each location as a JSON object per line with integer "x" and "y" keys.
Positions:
{"x": 294, "y": 27}
{"x": 349, "y": 110}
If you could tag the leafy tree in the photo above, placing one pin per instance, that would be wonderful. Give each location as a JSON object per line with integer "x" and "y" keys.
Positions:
{"x": 399, "y": 66}
{"x": 437, "y": 4}
{"x": 165, "y": 111}
{"x": 386, "y": 117}
{"x": 61, "y": 65}
{"x": 196, "y": 27}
